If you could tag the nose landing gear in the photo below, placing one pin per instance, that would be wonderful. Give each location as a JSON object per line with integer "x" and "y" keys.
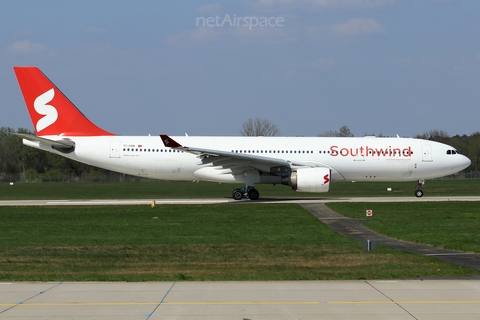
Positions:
{"x": 418, "y": 191}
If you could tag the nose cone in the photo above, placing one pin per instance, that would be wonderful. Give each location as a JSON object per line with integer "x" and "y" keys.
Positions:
{"x": 463, "y": 162}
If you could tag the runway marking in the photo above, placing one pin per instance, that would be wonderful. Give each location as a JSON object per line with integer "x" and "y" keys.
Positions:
{"x": 450, "y": 254}
{"x": 245, "y": 303}
{"x": 78, "y": 304}
{"x": 408, "y": 302}
{"x": 100, "y": 304}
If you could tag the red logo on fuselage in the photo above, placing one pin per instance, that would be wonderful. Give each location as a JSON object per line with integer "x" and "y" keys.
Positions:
{"x": 366, "y": 151}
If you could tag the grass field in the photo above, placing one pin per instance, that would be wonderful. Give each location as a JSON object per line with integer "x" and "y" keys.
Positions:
{"x": 451, "y": 225}
{"x": 224, "y": 242}
{"x": 191, "y": 242}
{"x": 154, "y": 189}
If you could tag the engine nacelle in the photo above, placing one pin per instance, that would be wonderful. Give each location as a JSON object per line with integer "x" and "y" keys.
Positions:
{"x": 309, "y": 180}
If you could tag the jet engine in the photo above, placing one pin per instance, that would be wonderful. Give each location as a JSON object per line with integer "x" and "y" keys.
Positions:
{"x": 309, "y": 180}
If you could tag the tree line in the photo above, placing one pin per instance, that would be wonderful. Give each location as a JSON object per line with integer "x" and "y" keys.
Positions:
{"x": 19, "y": 162}
{"x": 22, "y": 163}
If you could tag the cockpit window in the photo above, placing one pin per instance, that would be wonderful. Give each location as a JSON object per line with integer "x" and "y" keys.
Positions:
{"x": 452, "y": 152}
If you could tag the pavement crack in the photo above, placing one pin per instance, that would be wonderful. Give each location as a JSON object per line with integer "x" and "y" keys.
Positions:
{"x": 393, "y": 301}
{"x": 161, "y": 301}
{"x": 32, "y": 297}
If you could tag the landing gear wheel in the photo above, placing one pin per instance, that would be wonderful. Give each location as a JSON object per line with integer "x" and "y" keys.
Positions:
{"x": 237, "y": 194}
{"x": 418, "y": 191}
{"x": 253, "y": 194}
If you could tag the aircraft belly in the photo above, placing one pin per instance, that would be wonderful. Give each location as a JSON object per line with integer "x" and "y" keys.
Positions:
{"x": 167, "y": 168}
{"x": 368, "y": 170}
{"x": 218, "y": 175}
{"x": 400, "y": 169}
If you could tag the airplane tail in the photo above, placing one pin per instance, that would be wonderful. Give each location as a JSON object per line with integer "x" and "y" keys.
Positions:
{"x": 50, "y": 110}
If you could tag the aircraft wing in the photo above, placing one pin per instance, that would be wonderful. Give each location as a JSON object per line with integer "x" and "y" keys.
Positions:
{"x": 234, "y": 160}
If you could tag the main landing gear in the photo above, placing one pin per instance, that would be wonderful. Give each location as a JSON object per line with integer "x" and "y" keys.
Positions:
{"x": 250, "y": 192}
{"x": 418, "y": 191}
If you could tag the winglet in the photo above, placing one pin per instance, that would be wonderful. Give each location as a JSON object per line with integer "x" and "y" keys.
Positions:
{"x": 169, "y": 142}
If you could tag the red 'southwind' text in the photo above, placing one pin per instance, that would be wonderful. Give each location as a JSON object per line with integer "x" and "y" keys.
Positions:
{"x": 366, "y": 151}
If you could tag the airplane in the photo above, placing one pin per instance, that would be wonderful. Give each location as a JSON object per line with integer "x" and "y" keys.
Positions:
{"x": 306, "y": 164}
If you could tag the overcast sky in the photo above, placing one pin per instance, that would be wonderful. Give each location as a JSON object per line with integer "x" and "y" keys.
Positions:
{"x": 204, "y": 67}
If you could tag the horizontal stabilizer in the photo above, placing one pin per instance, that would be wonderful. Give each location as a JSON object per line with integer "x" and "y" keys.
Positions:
{"x": 64, "y": 145}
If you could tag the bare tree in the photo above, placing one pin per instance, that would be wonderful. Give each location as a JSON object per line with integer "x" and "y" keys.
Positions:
{"x": 259, "y": 127}
{"x": 436, "y": 135}
{"x": 329, "y": 133}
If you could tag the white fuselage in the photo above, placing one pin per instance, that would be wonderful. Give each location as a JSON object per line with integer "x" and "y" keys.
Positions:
{"x": 349, "y": 159}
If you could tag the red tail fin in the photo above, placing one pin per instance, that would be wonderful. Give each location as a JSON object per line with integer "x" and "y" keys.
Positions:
{"x": 50, "y": 110}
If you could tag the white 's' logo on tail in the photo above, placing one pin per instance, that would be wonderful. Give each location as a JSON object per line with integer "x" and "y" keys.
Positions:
{"x": 49, "y": 112}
